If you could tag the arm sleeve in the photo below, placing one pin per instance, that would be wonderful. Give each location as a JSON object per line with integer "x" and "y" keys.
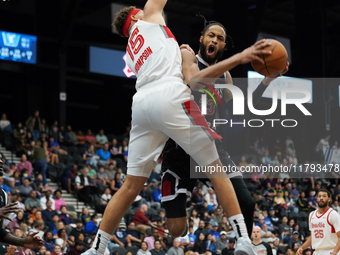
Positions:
{"x": 334, "y": 220}
{"x": 3, "y": 233}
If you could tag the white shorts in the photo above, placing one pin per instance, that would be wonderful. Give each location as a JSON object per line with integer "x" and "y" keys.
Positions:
{"x": 160, "y": 111}
{"x": 324, "y": 252}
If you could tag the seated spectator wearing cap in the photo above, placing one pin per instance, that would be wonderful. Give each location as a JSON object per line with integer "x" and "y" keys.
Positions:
{"x": 222, "y": 242}
{"x": 58, "y": 202}
{"x": 25, "y": 188}
{"x": 214, "y": 232}
{"x": 295, "y": 239}
{"x": 77, "y": 249}
{"x": 268, "y": 221}
{"x": 274, "y": 218}
{"x": 47, "y": 197}
{"x": 32, "y": 201}
{"x": 64, "y": 216}
{"x": 142, "y": 222}
{"x": 119, "y": 237}
{"x": 259, "y": 246}
{"x": 260, "y": 222}
{"x": 78, "y": 229}
{"x": 229, "y": 250}
{"x": 133, "y": 235}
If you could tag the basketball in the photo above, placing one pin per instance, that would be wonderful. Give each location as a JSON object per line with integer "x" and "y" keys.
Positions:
{"x": 275, "y": 63}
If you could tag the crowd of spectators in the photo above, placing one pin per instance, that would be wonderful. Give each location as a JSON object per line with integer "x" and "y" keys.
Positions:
{"x": 98, "y": 169}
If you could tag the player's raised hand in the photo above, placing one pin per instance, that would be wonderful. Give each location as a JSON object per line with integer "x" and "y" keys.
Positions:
{"x": 268, "y": 79}
{"x": 253, "y": 51}
{"x": 11, "y": 208}
{"x": 32, "y": 241}
{"x": 187, "y": 47}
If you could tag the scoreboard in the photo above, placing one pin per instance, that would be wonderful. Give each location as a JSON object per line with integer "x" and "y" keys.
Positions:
{"x": 18, "y": 47}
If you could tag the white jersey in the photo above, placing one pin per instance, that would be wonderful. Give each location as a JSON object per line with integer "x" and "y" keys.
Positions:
{"x": 153, "y": 53}
{"x": 323, "y": 229}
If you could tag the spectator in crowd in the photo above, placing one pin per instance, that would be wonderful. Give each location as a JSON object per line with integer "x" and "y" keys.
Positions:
{"x": 116, "y": 183}
{"x": 55, "y": 147}
{"x": 101, "y": 137}
{"x": 303, "y": 202}
{"x": 192, "y": 238}
{"x": 24, "y": 164}
{"x": 24, "y": 251}
{"x": 211, "y": 198}
{"x": 77, "y": 249}
{"x": 217, "y": 217}
{"x": 90, "y": 139}
{"x": 90, "y": 156}
{"x": 83, "y": 187}
{"x": 211, "y": 243}
{"x": 133, "y": 235}
{"x": 5, "y": 124}
{"x": 32, "y": 201}
{"x": 111, "y": 171}
{"x": 44, "y": 129}
{"x": 312, "y": 200}
{"x": 58, "y": 202}
{"x": 85, "y": 216}
{"x": 119, "y": 237}
{"x": 222, "y": 242}
{"x": 54, "y": 224}
{"x": 200, "y": 244}
{"x": 102, "y": 176}
{"x": 4, "y": 186}
{"x": 72, "y": 136}
{"x": 40, "y": 161}
{"x": 54, "y": 131}
{"x": 105, "y": 198}
{"x": 142, "y": 222}
{"x": 295, "y": 239}
{"x": 104, "y": 154}
{"x": 214, "y": 232}
{"x": 48, "y": 197}
{"x": 62, "y": 241}
{"x": 195, "y": 218}
{"x": 48, "y": 240}
{"x": 229, "y": 250}
{"x": 157, "y": 196}
{"x": 33, "y": 123}
{"x": 267, "y": 235}
{"x": 39, "y": 227}
{"x": 78, "y": 229}
{"x": 259, "y": 246}
{"x": 336, "y": 206}
{"x": 48, "y": 213}
{"x": 157, "y": 250}
{"x": 200, "y": 229}
{"x": 175, "y": 249}
{"x": 92, "y": 224}
{"x": 144, "y": 249}
{"x": 151, "y": 238}
{"x": 25, "y": 188}
{"x": 64, "y": 216}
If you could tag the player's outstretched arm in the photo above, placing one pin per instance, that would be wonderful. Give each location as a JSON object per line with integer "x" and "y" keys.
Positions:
{"x": 153, "y": 11}
{"x": 244, "y": 57}
{"x": 306, "y": 244}
{"x": 337, "y": 246}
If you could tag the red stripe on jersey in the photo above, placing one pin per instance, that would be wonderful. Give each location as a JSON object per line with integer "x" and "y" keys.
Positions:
{"x": 311, "y": 216}
{"x": 168, "y": 32}
{"x": 166, "y": 189}
{"x": 198, "y": 119}
{"x": 333, "y": 229}
{"x": 321, "y": 214}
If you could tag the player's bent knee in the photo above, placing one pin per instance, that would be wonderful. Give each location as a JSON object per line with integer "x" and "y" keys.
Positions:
{"x": 176, "y": 226}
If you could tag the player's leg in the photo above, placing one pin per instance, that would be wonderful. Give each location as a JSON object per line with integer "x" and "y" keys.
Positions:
{"x": 244, "y": 198}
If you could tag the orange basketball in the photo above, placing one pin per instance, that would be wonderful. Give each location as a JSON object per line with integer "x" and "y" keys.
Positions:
{"x": 275, "y": 63}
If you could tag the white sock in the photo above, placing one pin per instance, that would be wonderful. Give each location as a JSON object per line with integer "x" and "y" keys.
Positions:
{"x": 239, "y": 227}
{"x": 100, "y": 242}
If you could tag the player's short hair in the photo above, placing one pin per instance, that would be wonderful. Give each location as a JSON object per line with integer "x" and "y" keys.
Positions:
{"x": 120, "y": 19}
{"x": 213, "y": 23}
{"x": 326, "y": 191}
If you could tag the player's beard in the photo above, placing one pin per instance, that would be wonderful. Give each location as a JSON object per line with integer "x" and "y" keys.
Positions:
{"x": 323, "y": 205}
{"x": 206, "y": 58}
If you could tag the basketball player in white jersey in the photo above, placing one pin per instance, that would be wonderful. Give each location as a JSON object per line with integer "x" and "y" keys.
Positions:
{"x": 324, "y": 226}
{"x": 161, "y": 110}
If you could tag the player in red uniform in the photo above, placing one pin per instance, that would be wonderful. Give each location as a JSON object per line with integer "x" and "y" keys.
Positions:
{"x": 324, "y": 226}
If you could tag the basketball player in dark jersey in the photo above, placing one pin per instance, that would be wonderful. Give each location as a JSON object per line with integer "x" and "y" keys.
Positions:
{"x": 176, "y": 182}
{"x": 32, "y": 241}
